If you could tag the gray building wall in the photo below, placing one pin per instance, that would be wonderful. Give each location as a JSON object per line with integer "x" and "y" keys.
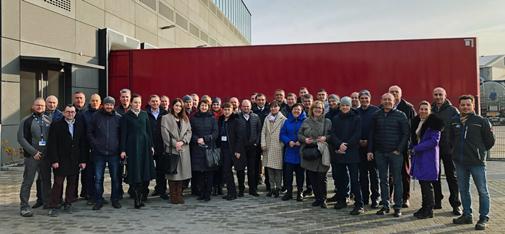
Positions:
{"x": 67, "y": 29}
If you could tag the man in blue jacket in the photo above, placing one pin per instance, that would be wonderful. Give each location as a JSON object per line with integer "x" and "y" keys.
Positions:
{"x": 388, "y": 138}
{"x": 471, "y": 139}
{"x": 103, "y": 136}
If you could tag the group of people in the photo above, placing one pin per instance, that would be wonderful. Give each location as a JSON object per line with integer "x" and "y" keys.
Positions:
{"x": 373, "y": 151}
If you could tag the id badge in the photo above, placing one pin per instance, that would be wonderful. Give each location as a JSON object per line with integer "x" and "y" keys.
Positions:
{"x": 42, "y": 142}
{"x": 224, "y": 138}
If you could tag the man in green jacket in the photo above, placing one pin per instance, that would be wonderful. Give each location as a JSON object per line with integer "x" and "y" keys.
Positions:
{"x": 471, "y": 139}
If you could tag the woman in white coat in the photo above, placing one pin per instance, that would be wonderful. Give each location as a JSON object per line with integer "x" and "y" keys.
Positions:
{"x": 273, "y": 147}
{"x": 176, "y": 134}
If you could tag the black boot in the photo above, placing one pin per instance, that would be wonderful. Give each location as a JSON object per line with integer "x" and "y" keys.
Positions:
{"x": 299, "y": 196}
{"x": 136, "y": 197}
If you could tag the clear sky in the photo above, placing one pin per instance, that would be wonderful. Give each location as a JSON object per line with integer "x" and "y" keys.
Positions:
{"x": 305, "y": 21}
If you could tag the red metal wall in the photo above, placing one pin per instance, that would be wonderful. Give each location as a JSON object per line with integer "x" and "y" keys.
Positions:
{"x": 415, "y": 65}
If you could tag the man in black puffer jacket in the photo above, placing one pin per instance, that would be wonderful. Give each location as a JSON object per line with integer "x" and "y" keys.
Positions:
{"x": 443, "y": 109}
{"x": 389, "y": 134}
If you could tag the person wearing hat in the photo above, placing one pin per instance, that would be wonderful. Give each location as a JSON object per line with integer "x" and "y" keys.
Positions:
{"x": 334, "y": 103}
{"x": 369, "y": 177}
{"x": 189, "y": 107}
{"x": 344, "y": 139}
{"x": 216, "y": 107}
{"x": 103, "y": 136}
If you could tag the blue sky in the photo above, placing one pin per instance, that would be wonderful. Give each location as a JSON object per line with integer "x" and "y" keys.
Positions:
{"x": 305, "y": 21}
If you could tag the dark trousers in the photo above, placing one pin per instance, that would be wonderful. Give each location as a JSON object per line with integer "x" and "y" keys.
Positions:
{"x": 89, "y": 182}
{"x": 349, "y": 171}
{"x": 308, "y": 182}
{"x": 251, "y": 154}
{"x": 389, "y": 163}
{"x": 450, "y": 176}
{"x": 204, "y": 180}
{"x": 318, "y": 180}
{"x": 161, "y": 181}
{"x": 340, "y": 181}
{"x": 100, "y": 162}
{"x": 368, "y": 178}
{"x": 405, "y": 179}
{"x": 427, "y": 195}
{"x": 259, "y": 167}
{"x": 120, "y": 173}
{"x": 57, "y": 190}
{"x": 227, "y": 173}
{"x": 217, "y": 181}
{"x": 289, "y": 169}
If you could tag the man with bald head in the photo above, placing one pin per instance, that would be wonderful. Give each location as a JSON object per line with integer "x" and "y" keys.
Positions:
{"x": 235, "y": 104}
{"x": 443, "y": 109}
{"x": 250, "y": 141}
{"x": 409, "y": 111}
{"x": 88, "y": 174}
{"x": 389, "y": 133}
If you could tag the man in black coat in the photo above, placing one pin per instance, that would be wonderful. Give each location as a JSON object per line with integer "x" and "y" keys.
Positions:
{"x": 409, "y": 111}
{"x": 65, "y": 144}
{"x": 443, "y": 109}
{"x": 251, "y": 141}
{"x": 262, "y": 109}
{"x": 154, "y": 112}
{"x": 123, "y": 107}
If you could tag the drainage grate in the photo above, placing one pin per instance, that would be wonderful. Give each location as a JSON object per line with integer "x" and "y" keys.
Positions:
{"x": 63, "y": 4}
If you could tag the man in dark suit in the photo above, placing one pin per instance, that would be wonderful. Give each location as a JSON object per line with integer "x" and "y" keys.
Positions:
{"x": 262, "y": 109}
{"x": 251, "y": 142}
{"x": 65, "y": 144}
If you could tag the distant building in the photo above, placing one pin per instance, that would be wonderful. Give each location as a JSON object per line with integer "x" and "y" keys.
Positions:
{"x": 492, "y": 88}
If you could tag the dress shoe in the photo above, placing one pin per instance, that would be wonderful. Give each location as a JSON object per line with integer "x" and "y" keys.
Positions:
{"x": 383, "y": 211}
{"x": 275, "y": 193}
{"x": 456, "y": 211}
{"x": 299, "y": 197}
{"x": 287, "y": 197}
{"x": 97, "y": 206}
{"x": 164, "y": 196}
{"x": 316, "y": 203}
{"x": 374, "y": 204}
{"x": 254, "y": 194}
{"x": 308, "y": 193}
{"x": 332, "y": 199}
{"x": 406, "y": 204}
{"x": 37, "y": 205}
{"x": 357, "y": 211}
{"x": 340, "y": 205}
{"x": 116, "y": 204}
{"x": 323, "y": 205}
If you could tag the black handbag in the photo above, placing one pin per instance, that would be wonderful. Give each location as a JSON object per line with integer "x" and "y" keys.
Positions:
{"x": 169, "y": 161}
{"x": 212, "y": 156}
{"x": 311, "y": 151}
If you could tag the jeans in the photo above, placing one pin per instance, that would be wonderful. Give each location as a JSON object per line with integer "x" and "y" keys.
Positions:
{"x": 478, "y": 172}
{"x": 369, "y": 178}
{"x": 113, "y": 165}
{"x": 390, "y": 163}
{"x": 288, "y": 177}
{"x": 343, "y": 190}
{"x": 32, "y": 167}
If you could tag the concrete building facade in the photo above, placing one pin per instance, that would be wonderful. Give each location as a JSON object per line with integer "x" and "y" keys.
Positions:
{"x": 56, "y": 47}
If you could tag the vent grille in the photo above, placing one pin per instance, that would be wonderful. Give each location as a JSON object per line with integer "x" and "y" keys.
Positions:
{"x": 194, "y": 30}
{"x": 150, "y": 3}
{"x": 204, "y": 37}
{"x": 166, "y": 11}
{"x": 63, "y": 4}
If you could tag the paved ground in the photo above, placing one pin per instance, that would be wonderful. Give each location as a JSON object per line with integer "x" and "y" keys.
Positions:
{"x": 246, "y": 215}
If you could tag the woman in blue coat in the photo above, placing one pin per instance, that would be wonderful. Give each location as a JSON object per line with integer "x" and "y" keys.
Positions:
{"x": 289, "y": 136}
{"x": 425, "y": 135}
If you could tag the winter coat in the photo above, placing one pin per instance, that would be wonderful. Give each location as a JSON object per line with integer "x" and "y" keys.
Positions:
{"x": 203, "y": 125}
{"x": 271, "y": 143}
{"x": 425, "y": 156}
{"x": 313, "y": 128}
{"x": 233, "y": 130}
{"x": 156, "y": 130}
{"x": 365, "y": 116}
{"x": 389, "y": 132}
{"x": 136, "y": 141}
{"x": 446, "y": 112}
{"x": 54, "y": 115}
{"x": 65, "y": 149}
{"x": 103, "y": 132}
{"x": 345, "y": 127}
{"x": 262, "y": 114}
{"x": 472, "y": 140}
{"x": 289, "y": 132}
{"x": 171, "y": 134}
{"x": 254, "y": 130}
{"x": 332, "y": 113}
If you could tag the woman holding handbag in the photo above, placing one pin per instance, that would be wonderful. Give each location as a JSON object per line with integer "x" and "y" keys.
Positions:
{"x": 204, "y": 135}
{"x": 313, "y": 135}
{"x": 176, "y": 134}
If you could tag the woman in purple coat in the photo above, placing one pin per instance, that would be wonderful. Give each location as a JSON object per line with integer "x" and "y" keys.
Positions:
{"x": 425, "y": 135}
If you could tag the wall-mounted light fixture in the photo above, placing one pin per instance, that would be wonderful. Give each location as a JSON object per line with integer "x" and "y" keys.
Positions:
{"x": 168, "y": 27}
